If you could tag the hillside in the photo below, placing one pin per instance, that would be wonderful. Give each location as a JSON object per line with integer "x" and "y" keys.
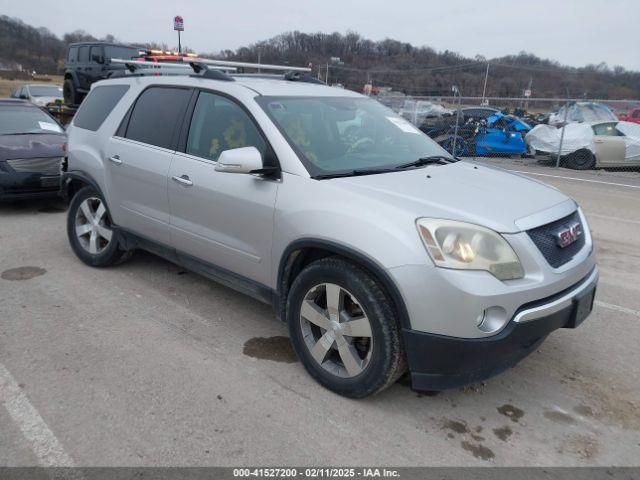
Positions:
{"x": 423, "y": 71}
{"x": 402, "y": 66}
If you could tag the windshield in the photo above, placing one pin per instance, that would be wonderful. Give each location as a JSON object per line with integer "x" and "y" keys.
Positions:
{"x": 45, "y": 91}
{"x": 340, "y": 134}
{"x": 16, "y": 120}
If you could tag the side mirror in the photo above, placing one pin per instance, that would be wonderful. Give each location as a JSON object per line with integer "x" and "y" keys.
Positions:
{"x": 240, "y": 160}
{"x": 24, "y": 96}
{"x": 97, "y": 58}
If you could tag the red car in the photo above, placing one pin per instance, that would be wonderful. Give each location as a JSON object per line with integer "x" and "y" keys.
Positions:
{"x": 633, "y": 115}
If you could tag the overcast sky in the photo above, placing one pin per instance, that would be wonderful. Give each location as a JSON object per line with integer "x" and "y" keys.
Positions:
{"x": 574, "y": 32}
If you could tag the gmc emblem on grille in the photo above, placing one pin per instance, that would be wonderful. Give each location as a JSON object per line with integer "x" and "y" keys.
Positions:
{"x": 567, "y": 234}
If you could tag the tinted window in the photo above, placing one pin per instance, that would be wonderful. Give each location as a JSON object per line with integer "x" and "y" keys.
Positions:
{"x": 97, "y": 106}
{"x": 156, "y": 114}
{"x": 219, "y": 124}
{"x": 95, "y": 50}
{"x": 125, "y": 53}
{"x": 83, "y": 54}
{"x": 73, "y": 54}
{"x": 608, "y": 129}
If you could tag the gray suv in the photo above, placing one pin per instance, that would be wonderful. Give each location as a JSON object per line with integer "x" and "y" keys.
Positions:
{"x": 380, "y": 251}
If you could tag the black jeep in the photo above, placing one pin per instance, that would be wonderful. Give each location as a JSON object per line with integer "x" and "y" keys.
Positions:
{"x": 89, "y": 62}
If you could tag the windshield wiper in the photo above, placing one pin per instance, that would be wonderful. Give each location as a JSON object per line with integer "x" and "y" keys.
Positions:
{"x": 30, "y": 133}
{"x": 354, "y": 173}
{"x": 430, "y": 160}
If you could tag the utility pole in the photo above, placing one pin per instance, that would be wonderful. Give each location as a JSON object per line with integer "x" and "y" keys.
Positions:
{"x": 326, "y": 78}
{"x": 484, "y": 89}
{"x": 526, "y": 102}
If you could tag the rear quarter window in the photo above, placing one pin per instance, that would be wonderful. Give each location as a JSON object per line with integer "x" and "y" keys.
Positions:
{"x": 98, "y": 105}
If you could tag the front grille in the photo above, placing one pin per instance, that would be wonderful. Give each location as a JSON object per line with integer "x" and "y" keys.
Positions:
{"x": 44, "y": 166}
{"x": 545, "y": 240}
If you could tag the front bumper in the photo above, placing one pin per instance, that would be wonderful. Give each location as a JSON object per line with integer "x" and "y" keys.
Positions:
{"x": 439, "y": 362}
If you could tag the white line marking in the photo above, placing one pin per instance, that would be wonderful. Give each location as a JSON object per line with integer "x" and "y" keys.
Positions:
{"x": 575, "y": 178}
{"x": 618, "y": 308}
{"x": 43, "y": 442}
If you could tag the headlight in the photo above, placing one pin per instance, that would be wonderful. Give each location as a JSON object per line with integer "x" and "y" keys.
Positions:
{"x": 466, "y": 246}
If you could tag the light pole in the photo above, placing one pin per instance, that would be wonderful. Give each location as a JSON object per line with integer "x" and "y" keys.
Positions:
{"x": 484, "y": 89}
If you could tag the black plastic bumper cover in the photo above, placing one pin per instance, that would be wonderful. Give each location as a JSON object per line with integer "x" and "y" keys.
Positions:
{"x": 439, "y": 362}
{"x": 16, "y": 186}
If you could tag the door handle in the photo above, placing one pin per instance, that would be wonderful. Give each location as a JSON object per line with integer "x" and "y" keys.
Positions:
{"x": 115, "y": 159}
{"x": 183, "y": 180}
{"x": 598, "y": 141}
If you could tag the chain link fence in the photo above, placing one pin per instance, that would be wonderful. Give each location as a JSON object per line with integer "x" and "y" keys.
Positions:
{"x": 578, "y": 134}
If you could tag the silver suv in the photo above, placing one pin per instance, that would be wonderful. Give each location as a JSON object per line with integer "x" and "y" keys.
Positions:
{"x": 380, "y": 251}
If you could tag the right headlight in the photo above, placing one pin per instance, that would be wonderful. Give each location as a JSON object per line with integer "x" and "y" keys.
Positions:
{"x": 466, "y": 246}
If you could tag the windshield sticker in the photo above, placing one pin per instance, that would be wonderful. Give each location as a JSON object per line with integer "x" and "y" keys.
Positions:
{"x": 276, "y": 106}
{"x": 403, "y": 125}
{"x": 49, "y": 126}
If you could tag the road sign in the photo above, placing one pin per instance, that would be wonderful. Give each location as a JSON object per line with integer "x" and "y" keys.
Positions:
{"x": 178, "y": 23}
{"x": 527, "y": 93}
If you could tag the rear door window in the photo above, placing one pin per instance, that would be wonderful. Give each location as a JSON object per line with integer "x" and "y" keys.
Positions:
{"x": 97, "y": 106}
{"x": 156, "y": 115}
{"x": 83, "y": 54}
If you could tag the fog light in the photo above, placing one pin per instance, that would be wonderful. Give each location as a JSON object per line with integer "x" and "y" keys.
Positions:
{"x": 492, "y": 319}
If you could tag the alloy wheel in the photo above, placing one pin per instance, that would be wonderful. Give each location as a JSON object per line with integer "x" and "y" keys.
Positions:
{"x": 92, "y": 226}
{"x": 336, "y": 330}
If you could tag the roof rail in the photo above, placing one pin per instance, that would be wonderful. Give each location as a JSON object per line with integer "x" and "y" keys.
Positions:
{"x": 259, "y": 66}
{"x": 134, "y": 65}
{"x": 142, "y": 68}
{"x": 214, "y": 69}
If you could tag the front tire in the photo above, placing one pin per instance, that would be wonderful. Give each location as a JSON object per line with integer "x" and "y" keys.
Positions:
{"x": 582, "y": 159}
{"x": 344, "y": 329}
{"x": 90, "y": 230}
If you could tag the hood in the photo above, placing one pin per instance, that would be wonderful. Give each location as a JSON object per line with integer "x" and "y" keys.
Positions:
{"x": 464, "y": 191}
{"x": 31, "y": 145}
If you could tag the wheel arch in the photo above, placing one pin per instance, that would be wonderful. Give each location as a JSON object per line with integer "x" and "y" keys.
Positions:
{"x": 73, "y": 181}
{"x": 302, "y": 252}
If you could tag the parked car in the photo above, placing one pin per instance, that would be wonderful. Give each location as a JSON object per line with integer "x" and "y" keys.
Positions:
{"x": 32, "y": 146}
{"x": 417, "y": 111}
{"x": 579, "y": 112}
{"x": 89, "y": 62}
{"x": 39, "y": 95}
{"x": 497, "y": 134}
{"x": 378, "y": 248}
{"x": 586, "y": 146}
{"x": 632, "y": 115}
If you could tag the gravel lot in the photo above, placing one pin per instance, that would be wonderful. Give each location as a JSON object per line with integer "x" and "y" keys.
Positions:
{"x": 147, "y": 364}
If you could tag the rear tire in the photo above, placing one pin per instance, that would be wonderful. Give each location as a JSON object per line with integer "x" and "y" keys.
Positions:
{"x": 90, "y": 230}
{"x": 70, "y": 93}
{"x": 582, "y": 159}
{"x": 357, "y": 351}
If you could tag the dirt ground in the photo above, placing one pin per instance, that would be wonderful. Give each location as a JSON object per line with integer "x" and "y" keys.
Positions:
{"x": 7, "y": 86}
